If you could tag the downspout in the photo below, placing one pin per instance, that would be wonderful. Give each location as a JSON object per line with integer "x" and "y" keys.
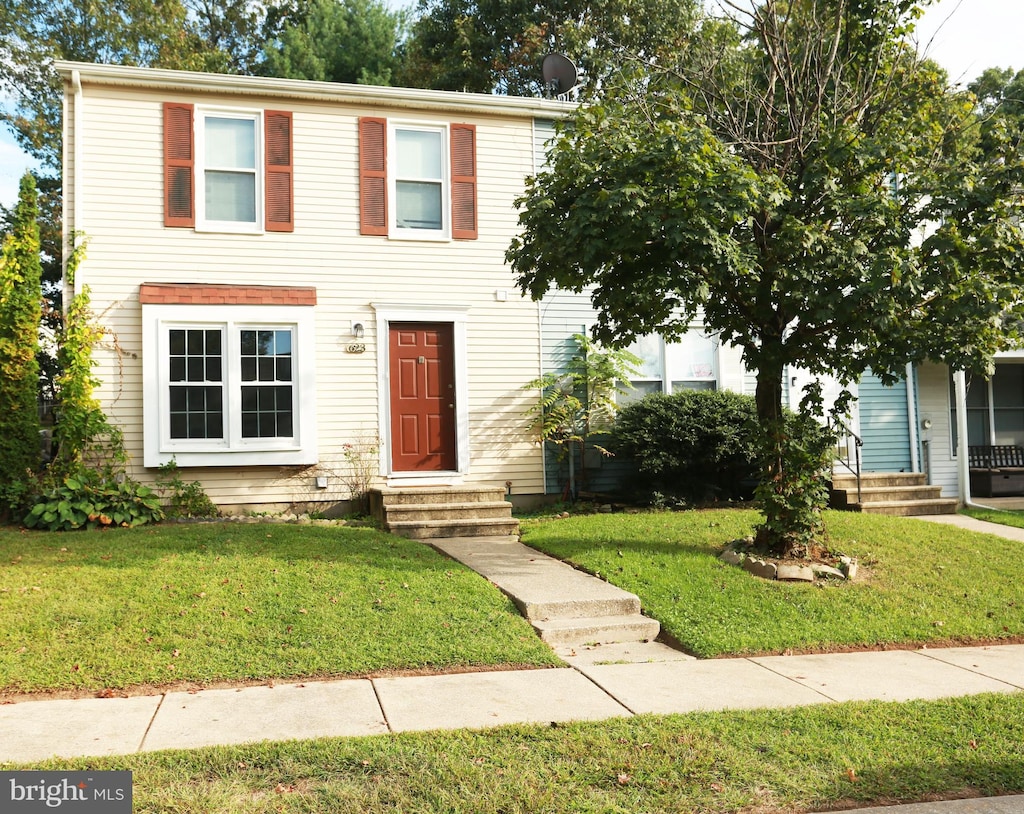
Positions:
{"x": 963, "y": 465}
{"x": 915, "y": 461}
{"x": 540, "y": 367}
{"x": 540, "y": 323}
{"x": 74, "y": 231}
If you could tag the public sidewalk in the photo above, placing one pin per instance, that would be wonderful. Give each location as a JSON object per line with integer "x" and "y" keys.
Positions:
{"x": 603, "y": 682}
{"x": 600, "y": 682}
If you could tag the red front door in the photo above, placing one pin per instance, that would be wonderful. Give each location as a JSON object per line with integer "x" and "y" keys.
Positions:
{"x": 422, "y": 397}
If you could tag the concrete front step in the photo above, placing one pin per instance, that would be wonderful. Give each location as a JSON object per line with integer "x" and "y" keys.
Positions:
{"x": 908, "y": 508}
{"x": 432, "y": 512}
{"x": 431, "y": 529}
{"x": 888, "y": 494}
{"x": 596, "y": 630}
{"x": 874, "y": 480}
{"x": 438, "y": 494}
{"x": 620, "y": 604}
{"x": 448, "y": 511}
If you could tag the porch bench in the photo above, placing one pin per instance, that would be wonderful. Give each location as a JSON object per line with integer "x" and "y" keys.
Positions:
{"x": 996, "y": 471}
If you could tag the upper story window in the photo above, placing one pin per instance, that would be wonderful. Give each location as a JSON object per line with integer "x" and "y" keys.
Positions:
{"x": 417, "y": 181}
{"x": 227, "y": 170}
{"x": 230, "y": 149}
{"x": 230, "y": 152}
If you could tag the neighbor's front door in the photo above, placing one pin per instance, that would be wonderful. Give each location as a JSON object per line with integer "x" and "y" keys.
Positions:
{"x": 422, "y": 371}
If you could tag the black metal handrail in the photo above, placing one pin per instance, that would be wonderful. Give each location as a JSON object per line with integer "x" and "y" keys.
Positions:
{"x": 844, "y": 433}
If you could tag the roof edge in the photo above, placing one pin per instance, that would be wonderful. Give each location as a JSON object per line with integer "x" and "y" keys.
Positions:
{"x": 193, "y": 81}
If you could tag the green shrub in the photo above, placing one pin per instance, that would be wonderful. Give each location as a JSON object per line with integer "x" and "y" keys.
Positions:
{"x": 88, "y": 500}
{"x": 184, "y": 499}
{"x": 697, "y": 444}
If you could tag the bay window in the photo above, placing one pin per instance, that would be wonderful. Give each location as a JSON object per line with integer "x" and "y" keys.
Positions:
{"x": 229, "y": 385}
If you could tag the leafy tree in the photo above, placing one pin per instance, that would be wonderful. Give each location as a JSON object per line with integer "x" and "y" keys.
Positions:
{"x": 813, "y": 190}
{"x": 497, "y": 45}
{"x": 337, "y": 41}
{"x": 20, "y": 312}
{"x": 224, "y": 36}
{"x": 1000, "y": 94}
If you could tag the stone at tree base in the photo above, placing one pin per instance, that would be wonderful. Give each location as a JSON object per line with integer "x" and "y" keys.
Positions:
{"x": 827, "y": 571}
{"x": 795, "y": 573}
{"x": 760, "y": 568}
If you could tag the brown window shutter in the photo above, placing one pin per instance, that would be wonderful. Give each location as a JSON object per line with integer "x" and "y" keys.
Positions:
{"x": 280, "y": 209}
{"x": 463, "y": 149}
{"x": 179, "y": 166}
{"x": 373, "y": 181}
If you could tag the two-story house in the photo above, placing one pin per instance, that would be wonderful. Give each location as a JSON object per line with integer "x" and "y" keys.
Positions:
{"x": 294, "y": 272}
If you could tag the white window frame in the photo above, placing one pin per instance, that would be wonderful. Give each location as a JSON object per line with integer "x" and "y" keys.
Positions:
{"x": 232, "y": 449}
{"x": 403, "y": 232}
{"x": 241, "y": 227}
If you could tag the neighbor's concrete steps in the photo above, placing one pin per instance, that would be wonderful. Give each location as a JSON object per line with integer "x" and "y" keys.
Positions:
{"x": 423, "y": 513}
{"x": 905, "y": 494}
{"x": 565, "y": 606}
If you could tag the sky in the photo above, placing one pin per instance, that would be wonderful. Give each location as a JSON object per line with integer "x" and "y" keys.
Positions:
{"x": 964, "y": 36}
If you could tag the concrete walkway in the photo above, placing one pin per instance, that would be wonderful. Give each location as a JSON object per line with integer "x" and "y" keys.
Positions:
{"x": 606, "y": 681}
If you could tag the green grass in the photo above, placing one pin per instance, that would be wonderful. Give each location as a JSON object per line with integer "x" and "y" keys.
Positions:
{"x": 927, "y": 582}
{"x": 811, "y": 758}
{"x": 212, "y": 602}
{"x": 1003, "y": 517}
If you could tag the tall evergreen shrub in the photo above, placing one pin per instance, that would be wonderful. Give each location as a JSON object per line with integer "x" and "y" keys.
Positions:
{"x": 20, "y": 313}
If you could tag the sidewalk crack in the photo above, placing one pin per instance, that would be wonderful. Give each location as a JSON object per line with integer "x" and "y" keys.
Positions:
{"x": 152, "y": 719}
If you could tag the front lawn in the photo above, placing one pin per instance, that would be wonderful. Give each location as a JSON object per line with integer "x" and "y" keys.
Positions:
{"x": 927, "y": 582}
{"x": 223, "y": 602}
{"x": 1012, "y": 517}
{"x": 769, "y": 761}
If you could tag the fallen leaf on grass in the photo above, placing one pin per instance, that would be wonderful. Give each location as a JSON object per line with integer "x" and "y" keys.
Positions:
{"x": 623, "y": 779}
{"x": 852, "y": 775}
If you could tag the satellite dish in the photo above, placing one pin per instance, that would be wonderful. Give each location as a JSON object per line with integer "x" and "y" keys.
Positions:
{"x": 560, "y": 74}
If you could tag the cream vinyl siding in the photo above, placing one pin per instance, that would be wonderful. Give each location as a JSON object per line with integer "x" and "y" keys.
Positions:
{"x": 121, "y": 184}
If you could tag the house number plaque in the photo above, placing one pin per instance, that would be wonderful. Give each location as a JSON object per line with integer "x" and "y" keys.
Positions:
{"x": 356, "y": 347}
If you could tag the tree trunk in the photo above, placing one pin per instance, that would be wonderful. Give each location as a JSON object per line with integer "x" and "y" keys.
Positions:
{"x": 791, "y": 491}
